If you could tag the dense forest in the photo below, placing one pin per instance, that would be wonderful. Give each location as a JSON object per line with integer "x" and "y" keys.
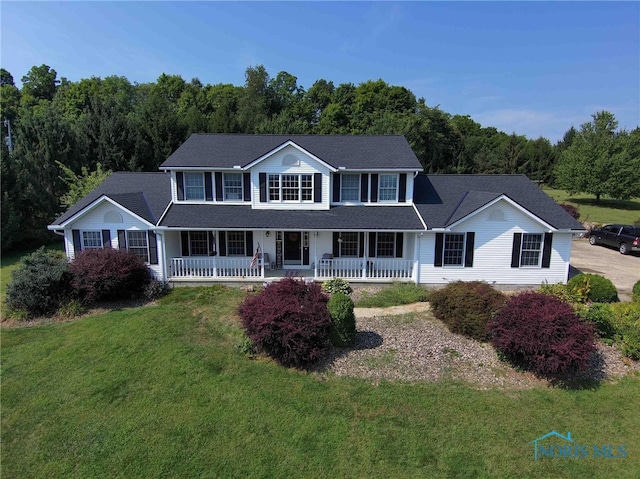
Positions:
{"x": 59, "y": 128}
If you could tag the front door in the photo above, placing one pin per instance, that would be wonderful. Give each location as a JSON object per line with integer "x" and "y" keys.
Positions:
{"x": 292, "y": 248}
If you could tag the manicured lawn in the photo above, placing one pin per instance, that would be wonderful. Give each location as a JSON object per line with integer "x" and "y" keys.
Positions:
{"x": 163, "y": 391}
{"x": 607, "y": 211}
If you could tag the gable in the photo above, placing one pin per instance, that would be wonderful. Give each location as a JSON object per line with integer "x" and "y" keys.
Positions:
{"x": 104, "y": 211}
{"x": 290, "y": 158}
{"x": 500, "y": 215}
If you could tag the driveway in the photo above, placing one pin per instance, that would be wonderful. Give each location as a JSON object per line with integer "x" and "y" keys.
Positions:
{"x": 623, "y": 270}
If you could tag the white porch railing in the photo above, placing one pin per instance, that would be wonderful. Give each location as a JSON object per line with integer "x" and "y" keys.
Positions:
{"x": 215, "y": 267}
{"x": 357, "y": 268}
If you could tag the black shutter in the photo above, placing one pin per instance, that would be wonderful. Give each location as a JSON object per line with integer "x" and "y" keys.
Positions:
{"x": 246, "y": 185}
{"x": 184, "y": 236}
{"x": 219, "y": 191}
{"x": 262, "y": 178}
{"x": 317, "y": 187}
{"x": 106, "y": 238}
{"x": 372, "y": 245}
{"x": 180, "y": 185}
{"x": 336, "y": 244}
{"x": 248, "y": 245}
{"x": 122, "y": 239}
{"x": 402, "y": 194}
{"x": 515, "y": 251}
{"x": 399, "y": 241}
{"x": 212, "y": 244}
{"x": 336, "y": 187}
{"x": 223, "y": 243}
{"x": 364, "y": 187}
{"x": 361, "y": 252}
{"x": 374, "y": 187}
{"x": 437, "y": 257}
{"x": 468, "y": 253}
{"x": 77, "y": 244}
{"x": 153, "y": 247}
{"x": 546, "y": 250}
{"x": 208, "y": 186}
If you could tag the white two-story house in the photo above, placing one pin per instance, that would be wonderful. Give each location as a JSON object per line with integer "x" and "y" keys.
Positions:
{"x": 230, "y": 207}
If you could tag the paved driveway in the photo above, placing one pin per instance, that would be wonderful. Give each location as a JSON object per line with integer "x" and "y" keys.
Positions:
{"x": 623, "y": 270}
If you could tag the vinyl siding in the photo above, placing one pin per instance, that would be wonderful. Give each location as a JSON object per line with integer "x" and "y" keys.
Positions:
{"x": 273, "y": 165}
{"x": 95, "y": 220}
{"x": 492, "y": 251}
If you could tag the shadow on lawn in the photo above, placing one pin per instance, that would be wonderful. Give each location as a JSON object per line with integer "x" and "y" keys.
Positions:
{"x": 364, "y": 340}
{"x": 607, "y": 203}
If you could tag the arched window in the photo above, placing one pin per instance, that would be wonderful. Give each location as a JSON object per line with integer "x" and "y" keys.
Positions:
{"x": 497, "y": 215}
{"x": 112, "y": 217}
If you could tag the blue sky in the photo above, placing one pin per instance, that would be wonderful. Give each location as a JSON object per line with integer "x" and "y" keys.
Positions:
{"x": 531, "y": 68}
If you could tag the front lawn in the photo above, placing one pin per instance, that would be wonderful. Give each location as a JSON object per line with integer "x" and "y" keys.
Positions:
{"x": 606, "y": 211}
{"x": 163, "y": 391}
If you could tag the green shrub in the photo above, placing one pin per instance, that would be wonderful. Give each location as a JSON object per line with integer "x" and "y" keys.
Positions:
{"x": 625, "y": 319}
{"x": 599, "y": 315}
{"x": 636, "y": 292}
{"x": 40, "y": 284}
{"x": 395, "y": 295}
{"x": 561, "y": 291}
{"x": 593, "y": 287}
{"x": 337, "y": 285}
{"x": 71, "y": 309}
{"x": 343, "y": 321}
{"x": 466, "y": 307}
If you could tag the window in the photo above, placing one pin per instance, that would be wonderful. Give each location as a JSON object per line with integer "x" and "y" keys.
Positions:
{"x": 530, "y": 251}
{"x": 91, "y": 240}
{"x": 388, "y": 188}
{"x": 233, "y": 186}
{"x": 290, "y": 160}
{"x": 453, "y": 253}
{"x": 235, "y": 243}
{"x": 199, "y": 243}
{"x": 291, "y": 187}
{"x": 137, "y": 244}
{"x": 349, "y": 246}
{"x": 350, "y": 188}
{"x": 194, "y": 186}
{"x": 386, "y": 245}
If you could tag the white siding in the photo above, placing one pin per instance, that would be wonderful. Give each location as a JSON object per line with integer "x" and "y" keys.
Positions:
{"x": 492, "y": 251}
{"x": 274, "y": 165}
{"x": 408, "y": 196}
{"x": 94, "y": 220}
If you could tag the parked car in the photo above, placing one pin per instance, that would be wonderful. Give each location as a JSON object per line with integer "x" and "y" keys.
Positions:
{"x": 624, "y": 237}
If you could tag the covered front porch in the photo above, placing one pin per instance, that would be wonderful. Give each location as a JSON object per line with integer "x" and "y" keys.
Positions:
{"x": 242, "y": 269}
{"x": 250, "y": 256}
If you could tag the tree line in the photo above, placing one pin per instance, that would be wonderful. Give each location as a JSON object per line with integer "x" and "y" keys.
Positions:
{"x": 61, "y": 128}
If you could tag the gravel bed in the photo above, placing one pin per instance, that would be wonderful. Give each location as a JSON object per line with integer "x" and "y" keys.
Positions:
{"x": 415, "y": 346}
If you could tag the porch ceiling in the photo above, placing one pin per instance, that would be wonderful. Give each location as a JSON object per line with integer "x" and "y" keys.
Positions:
{"x": 342, "y": 218}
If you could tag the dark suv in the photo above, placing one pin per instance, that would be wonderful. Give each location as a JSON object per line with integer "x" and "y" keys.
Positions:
{"x": 624, "y": 237}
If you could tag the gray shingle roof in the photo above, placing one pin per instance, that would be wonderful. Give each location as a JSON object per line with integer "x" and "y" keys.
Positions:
{"x": 444, "y": 199}
{"x": 145, "y": 194}
{"x": 344, "y": 218}
{"x": 352, "y": 152}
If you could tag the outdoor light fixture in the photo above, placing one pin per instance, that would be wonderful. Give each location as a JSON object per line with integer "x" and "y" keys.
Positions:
{"x": 267, "y": 234}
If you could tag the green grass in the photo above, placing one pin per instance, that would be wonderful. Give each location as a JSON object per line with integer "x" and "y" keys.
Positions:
{"x": 607, "y": 211}
{"x": 162, "y": 391}
{"x": 394, "y": 295}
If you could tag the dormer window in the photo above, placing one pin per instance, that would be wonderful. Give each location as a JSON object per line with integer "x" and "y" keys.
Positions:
{"x": 194, "y": 186}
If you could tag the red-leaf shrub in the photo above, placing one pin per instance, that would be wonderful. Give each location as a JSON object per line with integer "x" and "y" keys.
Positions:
{"x": 108, "y": 273}
{"x": 543, "y": 333}
{"x": 466, "y": 307}
{"x": 289, "y": 321}
{"x": 571, "y": 209}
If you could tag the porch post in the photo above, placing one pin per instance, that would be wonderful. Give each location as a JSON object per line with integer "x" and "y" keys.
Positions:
{"x": 365, "y": 258}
